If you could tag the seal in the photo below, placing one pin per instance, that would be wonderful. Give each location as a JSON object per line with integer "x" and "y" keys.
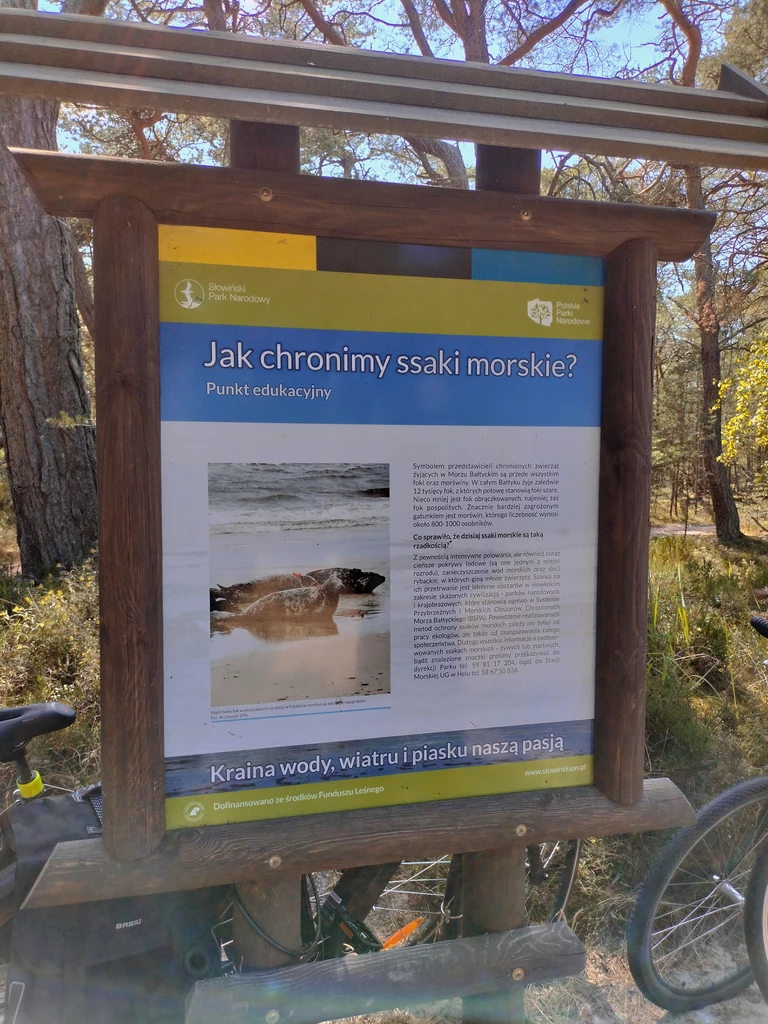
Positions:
{"x": 240, "y": 595}
{"x": 355, "y": 581}
{"x": 304, "y": 604}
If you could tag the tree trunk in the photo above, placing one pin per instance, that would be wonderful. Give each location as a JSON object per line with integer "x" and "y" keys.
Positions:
{"x": 723, "y": 505}
{"x": 44, "y": 406}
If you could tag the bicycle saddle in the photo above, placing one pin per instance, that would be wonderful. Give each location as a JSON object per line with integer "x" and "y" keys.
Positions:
{"x": 19, "y": 725}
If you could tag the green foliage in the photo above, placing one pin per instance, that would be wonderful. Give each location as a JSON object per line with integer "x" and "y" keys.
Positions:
{"x": 707, "y": 702}
{"x": 707, "y": 695}
{"x": 49, "y": 650}
{"x": 748, "y": 426}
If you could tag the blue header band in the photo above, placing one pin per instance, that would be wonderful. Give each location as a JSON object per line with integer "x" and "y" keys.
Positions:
{"x": 537, "y": 267}
{"x": 376, "y": 378}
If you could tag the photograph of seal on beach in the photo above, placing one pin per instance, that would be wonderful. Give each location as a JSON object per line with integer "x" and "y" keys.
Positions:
{"x": 299, "y": 581}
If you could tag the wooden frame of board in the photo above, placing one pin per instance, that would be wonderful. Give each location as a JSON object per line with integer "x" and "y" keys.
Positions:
{"x": 126, "y": 200}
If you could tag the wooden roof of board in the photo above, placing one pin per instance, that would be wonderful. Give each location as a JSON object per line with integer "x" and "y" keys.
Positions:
{"x": 127, "y": 64}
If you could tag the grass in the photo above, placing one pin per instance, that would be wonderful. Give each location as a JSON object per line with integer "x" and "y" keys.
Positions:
{"x": 707, "y": 704}
{"x": 49, "y": 650}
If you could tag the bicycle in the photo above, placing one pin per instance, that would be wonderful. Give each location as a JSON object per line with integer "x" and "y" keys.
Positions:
{"x": 685, "y": 941}
{"x": 133, "y": 960}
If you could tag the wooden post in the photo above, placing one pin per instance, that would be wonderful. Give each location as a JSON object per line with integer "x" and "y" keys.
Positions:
{"x": 494, "y": 901}
{"x": 624, "y": 520}
{"x": 264, "y": 147}
{"x": 275, "y": 906}
{"x": 508, "y": 170}
{"x": 128, "y": 454}
{"x": 493, "y": 882}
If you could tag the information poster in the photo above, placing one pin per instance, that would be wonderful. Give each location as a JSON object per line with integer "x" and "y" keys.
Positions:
{"x": 380, "y": 479}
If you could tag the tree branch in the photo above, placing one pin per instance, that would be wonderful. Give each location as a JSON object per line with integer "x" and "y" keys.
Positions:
{"x": 544, "y": 30}
{"x": 94, "y": 8}
{"x": 214, "y": 15}
{"x": 450, "y": 155}
{"x": 692, "y": 35}
{"x": 321, "y": 23}
{"x": 417, "y": 28}
{"x": 83, "y": 293}
{"x": 444, "y": 11}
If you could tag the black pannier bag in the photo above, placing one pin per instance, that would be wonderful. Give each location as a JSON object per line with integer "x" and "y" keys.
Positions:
{"x": 122, "y": 961}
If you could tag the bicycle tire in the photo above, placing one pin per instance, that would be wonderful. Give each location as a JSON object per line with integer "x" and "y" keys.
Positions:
{"x": 756, "y": 922}
{"x": 692, "y": 900}
{"x": 368, "y": 893}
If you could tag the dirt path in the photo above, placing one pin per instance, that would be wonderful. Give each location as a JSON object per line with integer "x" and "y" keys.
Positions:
{"x": 604, "y": 994}
{"x": 680, "y": 530}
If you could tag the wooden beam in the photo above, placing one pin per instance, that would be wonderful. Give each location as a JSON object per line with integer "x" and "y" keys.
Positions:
{"x": 697, "y": 142}
{"x": 72, "y": 186}
{"x": 624, "y": 520}
{"x": 736, "y": 81}
{"x": 355, "y": 985}
{"x": 220, "y": 854}
{"x": 128, "y": 455}
{"x": 227, "y": 47}
{"x": 203, "y": 75}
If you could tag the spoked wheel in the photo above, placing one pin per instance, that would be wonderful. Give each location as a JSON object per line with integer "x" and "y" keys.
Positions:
{"x": 756, "y": 922}
{"x": 550, "y": 874}
{"x": 685, "y": 942}
{"x": 420, "y": 901}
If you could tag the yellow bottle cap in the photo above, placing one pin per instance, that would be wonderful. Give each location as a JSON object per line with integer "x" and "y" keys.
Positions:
{"x": 27, "y": 790}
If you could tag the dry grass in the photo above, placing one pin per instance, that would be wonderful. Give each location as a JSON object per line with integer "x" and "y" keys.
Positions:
{"x": 707, "y": 708}
{"x": 49, "y": 650}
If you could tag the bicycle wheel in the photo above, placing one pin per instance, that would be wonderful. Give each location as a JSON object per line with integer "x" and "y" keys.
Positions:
{"x": 420, "y": 901}
{"x": 551, "y": 874}
{"x": 756, "y": 922}
{"x": 685, "y": 942}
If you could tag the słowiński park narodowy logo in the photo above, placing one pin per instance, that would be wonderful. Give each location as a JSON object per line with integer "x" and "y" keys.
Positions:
{"x": 189, "y": 294}
{"x": 540, "y": 311}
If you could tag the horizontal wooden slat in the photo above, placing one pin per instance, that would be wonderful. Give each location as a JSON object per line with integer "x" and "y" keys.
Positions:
{"x": 319, "y": 111}
{"x": 194, "y": 858}
{"x": 340, "y": 84}
{"x": 218, "y": 44}
{"x": 354, "y": 985}
{"x": 72, "y": 186}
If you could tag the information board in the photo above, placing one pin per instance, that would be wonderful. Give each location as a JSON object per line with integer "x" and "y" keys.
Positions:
{"x": 380, "y": 479}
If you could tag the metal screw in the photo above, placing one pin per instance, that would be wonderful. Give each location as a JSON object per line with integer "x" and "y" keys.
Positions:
{"x": 274, "y": 862}
{"x": 266, "y": 195}
{"x": 525, "y": 214}
{"x": 521, "y": 830}
{"x": 272, "y": 1016}
{"x": 518, "y": 974}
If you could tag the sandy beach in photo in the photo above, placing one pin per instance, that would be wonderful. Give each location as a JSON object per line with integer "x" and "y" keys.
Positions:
{"x": 270, "y": 520}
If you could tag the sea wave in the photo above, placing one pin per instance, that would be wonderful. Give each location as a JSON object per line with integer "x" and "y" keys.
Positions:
{"x": 270, "y": 497}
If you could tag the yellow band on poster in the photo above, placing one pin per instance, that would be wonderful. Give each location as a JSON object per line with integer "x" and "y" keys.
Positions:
{"x": 235, "y": 248}
{"x": 320, "y": 300}
{"x": 385, "y": 791}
